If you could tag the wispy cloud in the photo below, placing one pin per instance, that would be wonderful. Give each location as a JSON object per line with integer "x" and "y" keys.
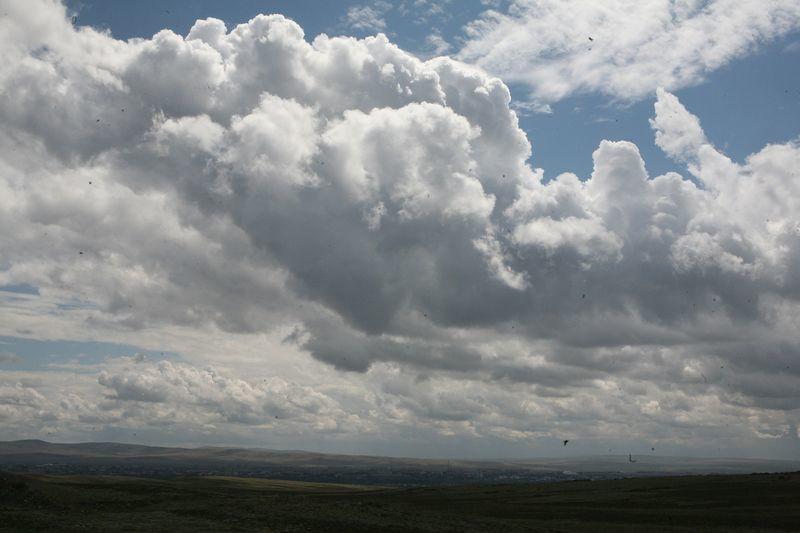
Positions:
{"x": 7, "y": 357}
{"x": 367, "y": 17}
{"x": 621, "y": 48}
{"x": 792, "y": 48}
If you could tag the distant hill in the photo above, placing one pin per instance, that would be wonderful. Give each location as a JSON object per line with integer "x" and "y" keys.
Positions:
{"x": 28, "y": 453}
{"x": 37, "y": 449}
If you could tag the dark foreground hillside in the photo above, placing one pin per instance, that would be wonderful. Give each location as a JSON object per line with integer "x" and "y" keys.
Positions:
{"x": 759, "y": 502}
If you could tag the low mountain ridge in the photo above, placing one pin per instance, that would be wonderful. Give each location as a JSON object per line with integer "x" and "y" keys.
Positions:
{"x": 28, "y": 452}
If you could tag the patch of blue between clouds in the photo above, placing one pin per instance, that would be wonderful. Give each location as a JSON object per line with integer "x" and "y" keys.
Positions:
{"x": 20, "y": 288}
{"x": 50, "y": 354}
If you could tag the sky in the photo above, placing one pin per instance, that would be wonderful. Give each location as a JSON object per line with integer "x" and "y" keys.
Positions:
{"x": 422, "y": 228}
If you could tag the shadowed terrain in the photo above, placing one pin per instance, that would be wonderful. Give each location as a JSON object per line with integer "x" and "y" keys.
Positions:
{"x": 757, "y": 502}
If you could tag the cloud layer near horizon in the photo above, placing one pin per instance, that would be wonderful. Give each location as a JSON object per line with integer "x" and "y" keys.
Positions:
{"x": 383, "y": 210}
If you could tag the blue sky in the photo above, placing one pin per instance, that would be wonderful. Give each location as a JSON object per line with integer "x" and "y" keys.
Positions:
{"x": 41, "y": 354}
{"x": 351, "y": 235}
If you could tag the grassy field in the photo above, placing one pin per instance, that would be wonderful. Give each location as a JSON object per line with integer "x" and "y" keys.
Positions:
{"x": 762, "y": 502}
